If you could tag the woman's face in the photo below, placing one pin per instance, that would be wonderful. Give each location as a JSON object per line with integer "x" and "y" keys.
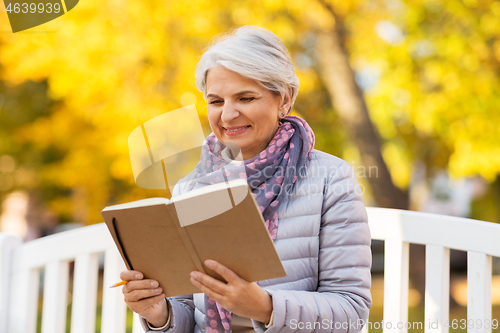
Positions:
{"x": 241, "y": 111}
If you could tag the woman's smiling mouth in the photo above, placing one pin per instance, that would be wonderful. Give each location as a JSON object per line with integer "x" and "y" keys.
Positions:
{"x": 235, "y": 130}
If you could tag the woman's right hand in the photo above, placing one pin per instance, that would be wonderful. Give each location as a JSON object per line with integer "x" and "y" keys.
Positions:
{"x": 145, "y": 298}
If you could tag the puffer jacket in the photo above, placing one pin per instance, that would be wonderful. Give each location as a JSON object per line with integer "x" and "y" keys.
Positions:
{"x": 323, "y": 241}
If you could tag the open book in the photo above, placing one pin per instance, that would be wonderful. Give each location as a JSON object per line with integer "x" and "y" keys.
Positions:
{"x": 167, "y": 239}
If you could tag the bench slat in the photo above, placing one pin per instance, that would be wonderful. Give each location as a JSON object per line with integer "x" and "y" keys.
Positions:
{"x": 478, "y": 292}
{"x": 437, "y": 288}
{"x": 7, "y": 246}
{"x": 114, "y": 310}
{"x": 55, "y": 296}
{"x": 84, "y": 293}
{"x": 396, "y": 276}
{"x": 24, "y": 306}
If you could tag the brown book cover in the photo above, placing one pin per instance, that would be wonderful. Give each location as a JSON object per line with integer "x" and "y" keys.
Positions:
{"x": 167, "y": 239}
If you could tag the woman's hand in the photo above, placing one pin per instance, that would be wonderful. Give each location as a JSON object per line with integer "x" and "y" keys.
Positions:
{"x": 246, "y": 299}
{"x": 145, "y": 298}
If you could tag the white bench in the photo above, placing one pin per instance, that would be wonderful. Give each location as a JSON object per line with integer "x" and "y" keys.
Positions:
{"x": 20, "y": 266}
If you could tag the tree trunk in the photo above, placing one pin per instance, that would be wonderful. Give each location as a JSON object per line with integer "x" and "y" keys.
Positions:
{"x": 348, "y": 101}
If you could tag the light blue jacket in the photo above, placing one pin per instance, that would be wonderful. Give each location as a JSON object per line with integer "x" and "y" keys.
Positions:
{"x": 323, "y": 241}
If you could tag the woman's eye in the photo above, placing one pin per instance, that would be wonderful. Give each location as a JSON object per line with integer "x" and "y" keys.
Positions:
{"x": 245, "y": 99}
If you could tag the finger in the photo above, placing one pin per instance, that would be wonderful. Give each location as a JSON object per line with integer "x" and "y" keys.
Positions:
{"x": 131, "y": 275}
{"x": 206, "y": 290}
{"x": 146, "y": 303}
{"x": 210, "y": 282}
{"x": 223, "y": 271}
{"x": 140, "y": 284}
{"x": 138, "y": 295}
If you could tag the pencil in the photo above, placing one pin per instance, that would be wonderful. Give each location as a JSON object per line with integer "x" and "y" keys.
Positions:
{"x": 121, "y": 283}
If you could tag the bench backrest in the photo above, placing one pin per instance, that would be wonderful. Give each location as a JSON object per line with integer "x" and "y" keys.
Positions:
{"x": 439, "y": 234}
{"x": 20, "y": 276}
{"x": 20, "y": 266}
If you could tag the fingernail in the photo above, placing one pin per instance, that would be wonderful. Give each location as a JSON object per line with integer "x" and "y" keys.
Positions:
{"x": 193, "y": 275}
{"x": 154, "y": 284}
{"x": 209, "y": 263}
{"x": 138, "y": 276}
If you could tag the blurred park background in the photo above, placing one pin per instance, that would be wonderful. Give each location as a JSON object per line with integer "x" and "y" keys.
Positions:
{"x": 406, "y": 91}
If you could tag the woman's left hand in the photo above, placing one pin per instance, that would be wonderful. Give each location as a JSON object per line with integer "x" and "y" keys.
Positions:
{"x": 246, "y": 299}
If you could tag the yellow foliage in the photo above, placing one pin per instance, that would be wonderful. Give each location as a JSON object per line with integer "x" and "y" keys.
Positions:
{"x": 113, "y": 65}
{"x": 399, "y": 164}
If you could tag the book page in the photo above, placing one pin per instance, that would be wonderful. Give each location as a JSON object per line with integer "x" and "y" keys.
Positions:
{"x": 209, "y": 201}
{"x": 139, "y": 203}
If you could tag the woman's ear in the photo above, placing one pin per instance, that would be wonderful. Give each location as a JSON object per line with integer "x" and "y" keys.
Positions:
{"x": 287, "y": 102}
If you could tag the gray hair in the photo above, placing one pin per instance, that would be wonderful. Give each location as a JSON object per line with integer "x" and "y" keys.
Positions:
{"x": 252, "y": 52}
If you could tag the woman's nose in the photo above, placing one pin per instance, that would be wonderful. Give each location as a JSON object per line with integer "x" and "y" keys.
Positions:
{"x": 229, "y": 112}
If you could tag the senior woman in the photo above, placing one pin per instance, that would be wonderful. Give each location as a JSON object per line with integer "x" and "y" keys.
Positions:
{"x": 311, "y": 203}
